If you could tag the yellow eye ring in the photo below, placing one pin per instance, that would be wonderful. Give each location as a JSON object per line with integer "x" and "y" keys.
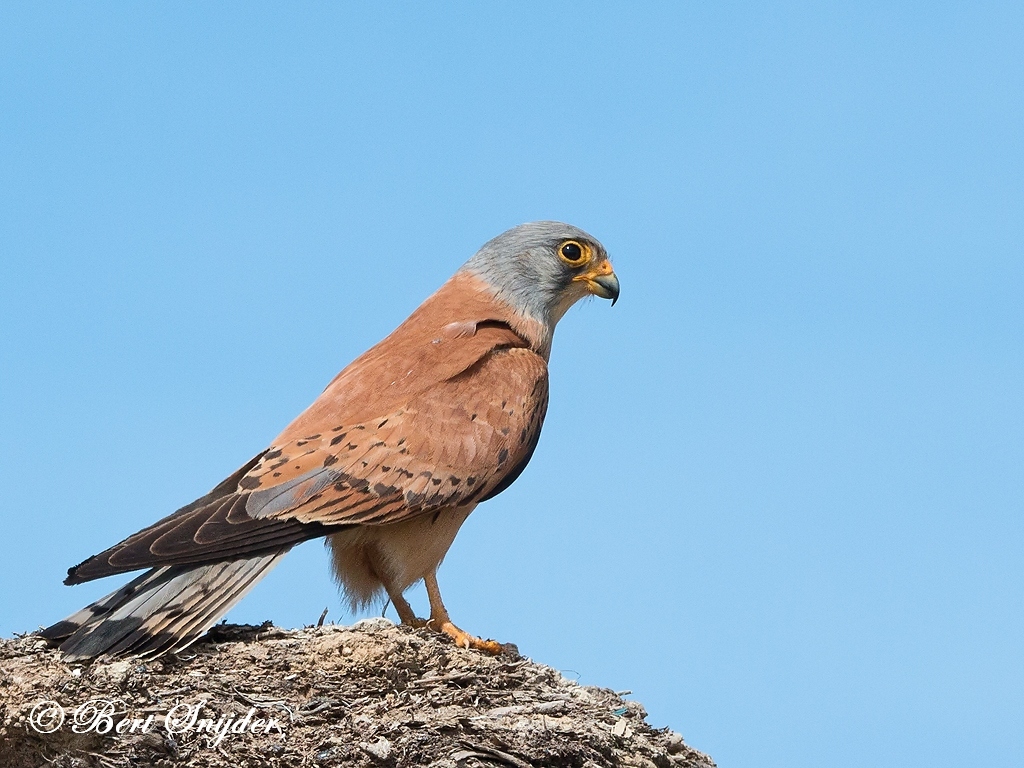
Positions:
{"x": 574, "y": 253}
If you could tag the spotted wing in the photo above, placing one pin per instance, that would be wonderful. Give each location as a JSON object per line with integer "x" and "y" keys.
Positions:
{"x": 459, "y": 430}
{"x": 455, "y": 443}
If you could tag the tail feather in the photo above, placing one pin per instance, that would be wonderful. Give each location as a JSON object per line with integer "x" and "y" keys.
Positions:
{"x": 165, "y": 609}
{"x": 171, "y": 608}
{"x": 219, "y": 591}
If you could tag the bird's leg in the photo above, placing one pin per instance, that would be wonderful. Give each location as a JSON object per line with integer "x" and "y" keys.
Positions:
{"x": 405, "y": 611}
{"x": 440, "y": 621}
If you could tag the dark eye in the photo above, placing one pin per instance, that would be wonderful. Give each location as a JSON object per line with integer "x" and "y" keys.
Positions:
{"x": 572, "y": 252}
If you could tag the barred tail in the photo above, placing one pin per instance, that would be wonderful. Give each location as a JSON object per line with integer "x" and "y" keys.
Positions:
{"x": 163, "y": 610}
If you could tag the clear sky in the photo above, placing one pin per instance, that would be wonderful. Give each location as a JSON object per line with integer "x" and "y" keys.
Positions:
{"x": 779, "y": 491}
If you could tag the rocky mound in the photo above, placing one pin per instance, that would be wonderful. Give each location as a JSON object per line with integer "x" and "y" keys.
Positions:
{"x": 368, "y": 695}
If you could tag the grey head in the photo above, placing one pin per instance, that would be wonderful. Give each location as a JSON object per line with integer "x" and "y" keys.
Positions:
{"x": 544, "y": 267}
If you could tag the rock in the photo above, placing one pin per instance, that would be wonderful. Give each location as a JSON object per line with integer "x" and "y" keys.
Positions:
{"x": 380, "y": 749}
{"x": 374, "y": 624}
{"x": 674, "y": 743}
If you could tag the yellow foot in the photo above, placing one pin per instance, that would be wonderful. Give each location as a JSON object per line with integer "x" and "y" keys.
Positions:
{"x": 465, "y": 640}
{"x": 462, "y": 638}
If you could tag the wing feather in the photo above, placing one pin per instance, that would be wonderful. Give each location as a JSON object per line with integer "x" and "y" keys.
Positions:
{"x": 453, "y": 416}
{"x": 447, "y": 447}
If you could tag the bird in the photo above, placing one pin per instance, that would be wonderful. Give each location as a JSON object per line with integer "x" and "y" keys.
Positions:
{"x": 386, "y": 464}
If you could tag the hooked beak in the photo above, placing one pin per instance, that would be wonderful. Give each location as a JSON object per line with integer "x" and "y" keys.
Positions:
{"x": 605, "y": 286}
{"x": 602, "y": 282}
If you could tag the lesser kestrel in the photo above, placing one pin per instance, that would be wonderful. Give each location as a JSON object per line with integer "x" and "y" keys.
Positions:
{"x": 387, "y": 463}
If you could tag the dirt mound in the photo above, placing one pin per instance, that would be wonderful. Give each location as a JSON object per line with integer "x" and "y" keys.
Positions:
{"x": 368, "y": 695}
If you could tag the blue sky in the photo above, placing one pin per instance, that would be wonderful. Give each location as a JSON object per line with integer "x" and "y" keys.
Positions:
{"x": 780, "y": 485}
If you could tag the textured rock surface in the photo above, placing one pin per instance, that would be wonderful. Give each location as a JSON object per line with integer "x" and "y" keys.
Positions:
{"x": 368, "y": 695}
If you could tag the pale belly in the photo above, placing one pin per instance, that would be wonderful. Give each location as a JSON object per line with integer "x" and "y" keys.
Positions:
{"x": 399, "y": 554}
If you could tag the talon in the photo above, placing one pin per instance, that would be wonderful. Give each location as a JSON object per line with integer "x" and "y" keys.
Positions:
{"x": 465, "y": 640}
{"x": 439, "y": 622}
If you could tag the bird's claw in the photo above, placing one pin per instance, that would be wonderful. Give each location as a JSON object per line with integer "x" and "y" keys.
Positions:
{"x": 465, "y": 640}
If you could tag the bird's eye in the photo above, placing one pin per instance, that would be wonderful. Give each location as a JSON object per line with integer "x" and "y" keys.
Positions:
{"x": 573, "y": 253}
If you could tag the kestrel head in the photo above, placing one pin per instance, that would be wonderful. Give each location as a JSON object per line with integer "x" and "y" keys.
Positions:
{"x": 544, "y": 267}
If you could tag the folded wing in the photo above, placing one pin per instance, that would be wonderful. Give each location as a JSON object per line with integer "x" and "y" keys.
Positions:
{"x": 460, "y": 428}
